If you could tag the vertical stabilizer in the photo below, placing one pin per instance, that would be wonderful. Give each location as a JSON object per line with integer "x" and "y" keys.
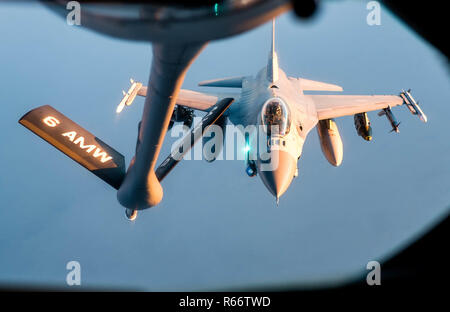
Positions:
{"x": 272, "y": 64}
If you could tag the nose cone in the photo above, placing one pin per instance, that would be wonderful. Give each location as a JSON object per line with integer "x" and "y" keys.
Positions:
{"x": 277, "y": 174}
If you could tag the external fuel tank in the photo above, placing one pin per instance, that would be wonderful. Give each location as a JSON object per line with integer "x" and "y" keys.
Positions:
{"x": 330, "y": 141}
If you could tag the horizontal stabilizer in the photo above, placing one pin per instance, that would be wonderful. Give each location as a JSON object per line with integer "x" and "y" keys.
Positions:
{"x": 189, "y": 140}
{"x": 191, "y": 99}
{"x": 77, "y": 143}
{"x": 229, "y": 82}
{"x": 312, "y": 85}
{"x": 336, "y": 105}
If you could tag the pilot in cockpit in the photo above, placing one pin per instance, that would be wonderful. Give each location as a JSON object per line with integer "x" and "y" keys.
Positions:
{"x": 274, "y": 116}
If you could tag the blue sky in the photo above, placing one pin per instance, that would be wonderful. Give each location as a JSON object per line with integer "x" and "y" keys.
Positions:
{"x": 215, "y": 226}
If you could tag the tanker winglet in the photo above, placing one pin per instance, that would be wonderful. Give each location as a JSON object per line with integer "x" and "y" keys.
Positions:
{"x": 77, "y": 143}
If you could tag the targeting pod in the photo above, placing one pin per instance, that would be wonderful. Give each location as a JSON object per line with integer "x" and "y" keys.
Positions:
{"x": 390, "y": 116}
{"x": 362, "y": 125}
{"x": 251, "y": 169}
{"x": 412, "y": 105}
{"x": 182, "y": 114}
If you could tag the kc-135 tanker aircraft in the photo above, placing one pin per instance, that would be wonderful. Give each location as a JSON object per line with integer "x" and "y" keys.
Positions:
{"x": 271, "y": 100}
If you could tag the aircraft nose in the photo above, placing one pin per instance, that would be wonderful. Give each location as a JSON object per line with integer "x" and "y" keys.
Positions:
{"x": 277, "y": 174}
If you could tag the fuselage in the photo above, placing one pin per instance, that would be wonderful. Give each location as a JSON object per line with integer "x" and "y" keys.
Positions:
{"x": 277, "y": 105}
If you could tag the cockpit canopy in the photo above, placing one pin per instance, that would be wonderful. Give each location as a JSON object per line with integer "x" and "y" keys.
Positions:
{"x": 275, "y": 116}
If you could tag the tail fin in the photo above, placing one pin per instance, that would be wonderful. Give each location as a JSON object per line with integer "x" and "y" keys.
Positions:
{"x": 77, "y": 143}
{"x": 272, "y": 64}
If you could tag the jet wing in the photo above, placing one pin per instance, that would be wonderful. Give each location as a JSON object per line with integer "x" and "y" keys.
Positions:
{"x": 193, "y": 99}
{"x": 332, "y": 106}
{"x": 313, "y": 85}
{"x": 189, "y": 140}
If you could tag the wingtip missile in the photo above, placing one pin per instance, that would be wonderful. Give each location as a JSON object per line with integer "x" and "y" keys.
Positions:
{"x": 122, "y": 103}
{"x": 421, "y": 114}
{"x": 412, "y": 105}
{"x": 120, "y": 107}
{"x": 128, "y": 97}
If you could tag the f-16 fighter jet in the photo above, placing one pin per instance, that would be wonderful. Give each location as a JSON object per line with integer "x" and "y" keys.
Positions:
{"x": 270, "y": 102}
